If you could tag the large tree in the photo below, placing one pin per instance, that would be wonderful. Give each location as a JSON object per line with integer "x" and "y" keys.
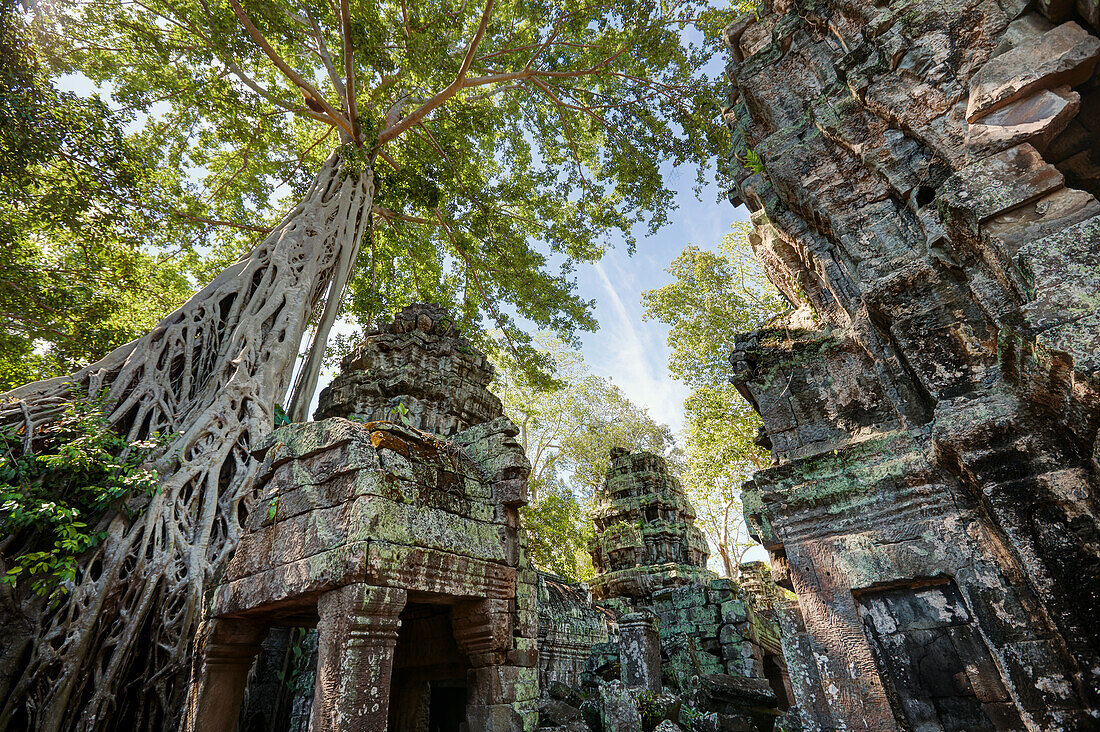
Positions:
{"x": 713, "y": 296}
{"x": 567, "y": 430}
{"x": 429, "y": 149}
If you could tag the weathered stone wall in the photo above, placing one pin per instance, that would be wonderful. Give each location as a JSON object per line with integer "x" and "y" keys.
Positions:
{"x": 712, "y": 629}
{"x": 924, "y": 193}
{"x": 569, "y": 626}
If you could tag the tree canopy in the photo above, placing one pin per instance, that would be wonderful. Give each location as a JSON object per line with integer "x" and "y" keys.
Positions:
{"x": 713, "y": 296}
{"x": 507, "y": 139}
{"x": 79, "y": 272}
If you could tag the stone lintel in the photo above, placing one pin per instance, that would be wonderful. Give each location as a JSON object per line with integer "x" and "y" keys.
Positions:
{"x": 380, "y": 563}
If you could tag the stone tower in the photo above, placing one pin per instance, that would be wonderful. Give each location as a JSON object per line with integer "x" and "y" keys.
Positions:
{"x": 646, "y": 537}
{"x": 419, "y": 361}
{"x": 926, "y": 195}
{"x": 395, "y": 534}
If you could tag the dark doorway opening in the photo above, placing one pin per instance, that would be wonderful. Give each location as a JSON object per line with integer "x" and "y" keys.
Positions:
{"x": 428, "y": 689}
{"x": 279, "y": 695}
{"x": 776, "y": 674}
{"x": 447, "y": 707}
{"x": 934, "y": 663}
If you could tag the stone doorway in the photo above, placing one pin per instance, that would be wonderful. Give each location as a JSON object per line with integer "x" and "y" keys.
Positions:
{"x": 775, "y": 671}
{"x": 929, "y": 651}
{"x": 428, "y": 690}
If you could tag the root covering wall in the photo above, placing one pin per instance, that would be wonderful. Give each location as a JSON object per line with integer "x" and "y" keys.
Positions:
{"x": 921, "y": 177}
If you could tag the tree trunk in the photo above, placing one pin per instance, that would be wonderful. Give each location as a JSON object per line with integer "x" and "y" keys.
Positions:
{"x": 114, "y": 654}
{"x": 727, "y": 562}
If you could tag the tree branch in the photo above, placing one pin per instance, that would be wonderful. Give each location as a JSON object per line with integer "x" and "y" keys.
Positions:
{"x": 284, "y": 67}
{"x": 388, "y": 214}
{"x": 326, "y": 58}
{"x": 565, "y": 132}
{"x": 349, "y": 69}
{"x": 199, "y": 219}
{"x": 251, "y": 84}
{"x": 394, "y": 130}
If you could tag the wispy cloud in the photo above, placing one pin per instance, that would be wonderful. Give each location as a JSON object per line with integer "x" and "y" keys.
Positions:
{"x": 634, "y": 358}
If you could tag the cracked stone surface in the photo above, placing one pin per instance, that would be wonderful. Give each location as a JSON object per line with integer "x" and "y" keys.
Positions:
{"x": 932, "y": 398}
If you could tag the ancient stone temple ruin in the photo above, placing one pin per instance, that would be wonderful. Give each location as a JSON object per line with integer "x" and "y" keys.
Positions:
{"x": 922, "y": 185}
{"x": 570, "y": 625}
{"x": 392, "y": 527}
{"x": 390, "y": 559}
{"x": 646, "y": 537}
{"x": 683, "y": 645}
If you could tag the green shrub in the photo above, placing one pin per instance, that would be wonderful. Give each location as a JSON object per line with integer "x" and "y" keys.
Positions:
{"x": 78, "y": 470}
{"x": 753, "y": 161}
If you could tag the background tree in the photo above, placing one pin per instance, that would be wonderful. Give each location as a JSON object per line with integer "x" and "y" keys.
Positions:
{"x": 567, "y": 431}
{"x": 713, "y": 296}
{"x": 474, "y": 142}
{"x": 719, "y": 456}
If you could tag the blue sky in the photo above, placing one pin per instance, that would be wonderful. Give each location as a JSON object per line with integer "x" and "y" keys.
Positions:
{"x": 631, "y": 352}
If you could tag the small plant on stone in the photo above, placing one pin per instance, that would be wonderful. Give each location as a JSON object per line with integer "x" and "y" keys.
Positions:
{"x": 401, "y": 412}
{"x": 648, "y": 706}
{"x": 753, "y": 161}
{"x": 293, "y": 674}
{"x": 688, "y": 717}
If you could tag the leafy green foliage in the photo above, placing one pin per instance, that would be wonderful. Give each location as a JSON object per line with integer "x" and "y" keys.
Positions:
{"x": 554, "y": 139}
{"x": 401, "y": 413}
{"x": 53, "y": 498}
{"x": 567, "y": 431}
{"x": 82, "y": 209}
{"x": 295, "y": 673}
{"x": 559, "y": 530}
{"x": 569, "y": 428}
{"x": 753, "y": 161}
{"x": 713, "y": 296}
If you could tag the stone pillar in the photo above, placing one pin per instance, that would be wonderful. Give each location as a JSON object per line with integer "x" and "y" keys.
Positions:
{"x": 502, "y": 683}
{"x": 356, "y": 635}
{"x": 640, "y": 650}
{"x": 227, "y": 648}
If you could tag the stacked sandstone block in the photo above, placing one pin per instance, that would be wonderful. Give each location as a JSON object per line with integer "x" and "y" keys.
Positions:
{"x": 646, "y": 536}
{"x": 707, "y": 630}
{"x": 406, "y": 511}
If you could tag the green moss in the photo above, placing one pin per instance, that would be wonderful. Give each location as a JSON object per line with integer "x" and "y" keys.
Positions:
{"x": 840, "y": 478}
